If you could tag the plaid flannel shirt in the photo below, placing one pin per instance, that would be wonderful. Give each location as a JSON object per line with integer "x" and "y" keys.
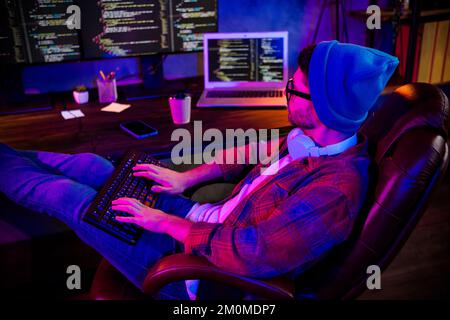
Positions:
{"x": 289, "y": 222}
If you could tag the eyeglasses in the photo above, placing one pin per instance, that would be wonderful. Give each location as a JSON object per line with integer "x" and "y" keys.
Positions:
{"x": 289, "y": 91}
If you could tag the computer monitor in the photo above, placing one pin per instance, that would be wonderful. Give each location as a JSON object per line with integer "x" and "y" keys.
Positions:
{"x": 254, "y": 59}
{"x": 36, "y": 31}
{"x": 118, "y": 29}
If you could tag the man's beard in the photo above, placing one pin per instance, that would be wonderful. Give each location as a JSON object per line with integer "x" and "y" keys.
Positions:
{"x": 302, "y": 120}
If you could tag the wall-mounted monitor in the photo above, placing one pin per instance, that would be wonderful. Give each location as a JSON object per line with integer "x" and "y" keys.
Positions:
{"x": 37, "y": 31}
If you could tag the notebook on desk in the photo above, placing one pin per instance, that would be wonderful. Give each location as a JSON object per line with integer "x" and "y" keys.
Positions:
{"x": 245, "y": 69}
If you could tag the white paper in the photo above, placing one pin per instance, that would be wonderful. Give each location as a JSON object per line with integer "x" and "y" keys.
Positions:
{"x": 71, "y": 114}
{"x": 77, "y": 113}
{"x": 67, "y": 115}
{"x": 116, "y": 107}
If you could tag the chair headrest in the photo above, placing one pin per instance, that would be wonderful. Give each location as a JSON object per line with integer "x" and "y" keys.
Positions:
{"x": 408, "y": 107}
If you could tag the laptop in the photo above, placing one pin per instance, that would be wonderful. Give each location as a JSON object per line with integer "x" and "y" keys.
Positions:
{"x": 245, "y": 69}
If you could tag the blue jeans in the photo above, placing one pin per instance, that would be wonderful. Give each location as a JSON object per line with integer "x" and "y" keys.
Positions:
{"x": 63, "y": 186}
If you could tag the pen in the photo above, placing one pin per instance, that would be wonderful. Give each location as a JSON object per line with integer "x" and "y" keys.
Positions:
{"x": 111, "y": 75}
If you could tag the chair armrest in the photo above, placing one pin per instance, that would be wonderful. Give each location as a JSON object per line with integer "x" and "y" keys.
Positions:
{"x": 183, "y": 267}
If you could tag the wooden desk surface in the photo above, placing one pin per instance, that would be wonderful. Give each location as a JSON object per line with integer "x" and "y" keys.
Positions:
{"x": 99, "y": 131}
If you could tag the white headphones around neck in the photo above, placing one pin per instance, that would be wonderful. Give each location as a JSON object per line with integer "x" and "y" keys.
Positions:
{"x": 300, "y": 145}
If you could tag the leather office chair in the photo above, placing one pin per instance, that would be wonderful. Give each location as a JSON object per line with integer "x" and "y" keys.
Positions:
{"x": 408, "y": 145}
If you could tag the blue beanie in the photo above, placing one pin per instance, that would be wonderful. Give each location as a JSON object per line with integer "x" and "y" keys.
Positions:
{"x": 345, "y": 80}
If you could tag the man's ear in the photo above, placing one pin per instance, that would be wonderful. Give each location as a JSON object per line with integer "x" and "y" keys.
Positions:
{"x": 305, "y": 80}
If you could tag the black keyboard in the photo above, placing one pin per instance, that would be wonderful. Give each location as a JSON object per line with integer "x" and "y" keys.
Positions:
{"x": 122, "y": 184}
{"x": 244, "y": 94}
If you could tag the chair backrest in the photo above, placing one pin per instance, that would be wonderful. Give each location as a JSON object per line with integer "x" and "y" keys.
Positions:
{"x": 408, "y": 146}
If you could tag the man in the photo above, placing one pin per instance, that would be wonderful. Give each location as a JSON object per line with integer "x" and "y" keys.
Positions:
{"x": 271, "y": 224}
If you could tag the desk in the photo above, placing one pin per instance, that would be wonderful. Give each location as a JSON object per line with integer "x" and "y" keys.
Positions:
{"x": 99, "y": 131}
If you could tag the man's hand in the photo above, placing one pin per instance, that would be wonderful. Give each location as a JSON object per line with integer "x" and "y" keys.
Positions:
{"x": 152, "y": 219}
{"x": 169, "y": 181}
{"x": 146, "y": 217}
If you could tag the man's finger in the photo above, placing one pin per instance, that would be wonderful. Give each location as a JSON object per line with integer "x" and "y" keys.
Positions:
{"x": 145, "y": 174}
{"x": 155, "y": 167}
{"x": 120, "y": 201}
{"x": 125, "y": 202}
{"x": 158, "y": 189}
{"x": 127, "y": 208}
{"x": 146, "y": 167}
{"x": 126, "y": 219}
{"x": 149, "y": 175}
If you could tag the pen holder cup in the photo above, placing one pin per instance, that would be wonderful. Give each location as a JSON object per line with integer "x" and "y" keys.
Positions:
{"x": 107, "y": 90}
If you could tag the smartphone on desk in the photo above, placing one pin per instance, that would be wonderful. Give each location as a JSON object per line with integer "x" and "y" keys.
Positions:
{"x": 138, "y": 129}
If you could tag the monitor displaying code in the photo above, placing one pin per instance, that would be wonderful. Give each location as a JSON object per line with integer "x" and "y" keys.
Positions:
{"x": 117, "y": 28}
{"x": 259, "y": 59}
{"x": 36, "y": 32}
